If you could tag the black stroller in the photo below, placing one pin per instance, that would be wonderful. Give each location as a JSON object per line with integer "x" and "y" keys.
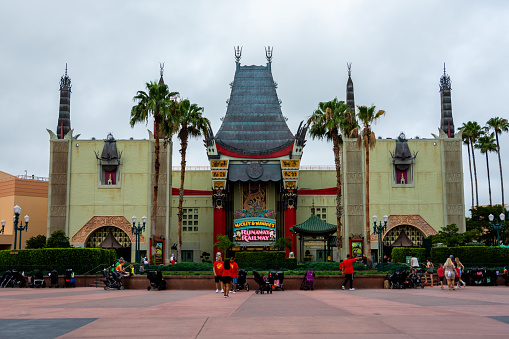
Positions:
{"x": 38, "y": 280}
{"x": 156, "y": 280}
{"x": 69, "y": 278}
{"x": 53, "y": 275}
{"x": 478, "y": 276}
{"x": 308, "y": 281}
{"x": 242, "y": 281}
{"x": 276, "y": 280}
{"x": 263, "y": 284}
{"x": 112, "y": 280}
{"x": 13, "y": 278}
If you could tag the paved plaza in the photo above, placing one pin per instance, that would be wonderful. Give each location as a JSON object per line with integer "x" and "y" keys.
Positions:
{"x": 473, "y": 312}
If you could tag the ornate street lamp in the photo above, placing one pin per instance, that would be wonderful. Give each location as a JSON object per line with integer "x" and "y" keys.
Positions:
{"x": 497, "y": 226}
{"x": 379, "y": 230}
{"x": 3, "y": 227}
{"x": 137, "y": 231}
{"x": 20, "y": 228}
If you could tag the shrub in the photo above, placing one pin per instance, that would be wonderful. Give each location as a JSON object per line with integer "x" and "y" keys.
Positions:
{"x": 399, "y": 254}
{"x": 36, "y": 242}
{"x": 57, "y": 240}
{"x": 472, "y": 254}
{"x": 262, "y": 260}
{"x": 81, "y": 260}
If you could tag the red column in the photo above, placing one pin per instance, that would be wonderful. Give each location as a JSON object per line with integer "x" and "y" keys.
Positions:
{"x": 290, "y": 221}
{"x": 219, "y": 226}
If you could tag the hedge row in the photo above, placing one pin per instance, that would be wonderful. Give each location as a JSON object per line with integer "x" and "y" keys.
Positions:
{"x": 265, "y": 260}
{"x": 81, "y": 260}
{"x": 467, "y": 254}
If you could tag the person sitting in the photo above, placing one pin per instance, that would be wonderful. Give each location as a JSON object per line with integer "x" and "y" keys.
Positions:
{"x": 120, "y": 268}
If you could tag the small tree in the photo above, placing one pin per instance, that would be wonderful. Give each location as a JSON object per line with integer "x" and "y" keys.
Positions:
{"x": 224, "y": 243}
{"x": 283, "y": 243}
{"x": 38, "y": 241}
{"x": 56, "y": 239}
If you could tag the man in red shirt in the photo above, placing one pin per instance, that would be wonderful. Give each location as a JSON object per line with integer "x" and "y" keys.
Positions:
{"x": 235, "y": 273}
{"x": 347, "y": 267}
{"x": 217, "y": 268}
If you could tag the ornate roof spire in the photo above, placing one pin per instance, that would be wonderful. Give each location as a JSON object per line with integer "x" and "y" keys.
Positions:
{"x": 238, "y": 53}
{"x": 161, "y": 71}
{"x": 446, "y": 121}
{"x": 64, "y": 113}
{"x": 268, "y": 53}
{"x": 350, "y": 101}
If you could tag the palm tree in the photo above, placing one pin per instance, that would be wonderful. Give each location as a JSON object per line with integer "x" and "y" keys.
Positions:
{"x": 466, "y": 141}
{"x": 156, "y": 102}
{"x": 486, "y": 143}
{"x": 187, "y": 121}
{"x": 328, "y": 122}
{"x": 367, "y": 139}
{"x": 474, "y": 131}
{"x": 499, "y": 125}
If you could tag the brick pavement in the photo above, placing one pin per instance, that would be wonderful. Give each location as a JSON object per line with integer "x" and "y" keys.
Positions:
{"x": 473, "y": 312}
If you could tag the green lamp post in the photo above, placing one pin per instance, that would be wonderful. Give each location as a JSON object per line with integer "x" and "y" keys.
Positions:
{"x": 497, "y": 226}
{"x": 379, "y": 230}
{"x": 136, "y": 230}
{"x": 20, "y": 228}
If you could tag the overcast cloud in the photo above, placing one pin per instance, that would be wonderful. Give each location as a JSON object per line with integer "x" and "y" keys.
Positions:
{"x": 112, "y": 48}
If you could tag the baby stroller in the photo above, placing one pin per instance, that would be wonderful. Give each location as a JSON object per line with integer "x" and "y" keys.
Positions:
{"x": 397, "y": 279}
{"x": 53, "y": 279}
{"x": 478, "y": 276}
{"x": 156, "y": 280}
{"x": 69, "y": 278}
{"x": 112, "y": 280}
{"x": 307, "y": 281}
{"x": 263, "y": 284}
{"x": 13, "y": 279}
{"x": 38, "y": 280}
{"x": 491, "y": 278}
{"x": 414, "y": 280}
{"x": 276, "y": 280}
{"x": 242, "y": 281}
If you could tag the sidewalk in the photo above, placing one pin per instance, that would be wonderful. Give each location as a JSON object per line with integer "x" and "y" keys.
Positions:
{"x": 473, "y": 312}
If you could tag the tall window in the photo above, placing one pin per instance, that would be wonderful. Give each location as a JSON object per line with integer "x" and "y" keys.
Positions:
{"x": 190, "y": 218}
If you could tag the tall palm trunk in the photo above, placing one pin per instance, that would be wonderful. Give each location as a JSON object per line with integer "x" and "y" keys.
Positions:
{"x": 368, "y": 225}
{"x": 339, "y": 209}
{"x": 471, "y": 178}
{"x": 475, "y": 174}
{"x": 488, "y": 170}
{"x": 183, "y": 143}
{"x": 156, "y": 178}
{"x": 500, "y": 167}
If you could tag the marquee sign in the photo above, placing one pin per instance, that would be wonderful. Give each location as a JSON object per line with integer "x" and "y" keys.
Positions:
{"x": 254, "y": 231}
{"x": 290, "y": 171}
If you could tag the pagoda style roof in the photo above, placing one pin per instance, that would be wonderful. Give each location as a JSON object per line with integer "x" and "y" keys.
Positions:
{"x": 314, "y": 225}
{"x": 253, "y": 124}
{"x": 403, "y": 241}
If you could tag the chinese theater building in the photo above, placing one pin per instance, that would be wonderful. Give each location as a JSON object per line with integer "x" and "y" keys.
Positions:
{"x": 254, "y": 162}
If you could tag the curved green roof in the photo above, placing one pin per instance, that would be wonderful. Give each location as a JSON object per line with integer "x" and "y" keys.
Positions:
{"x": 314, "y": 225}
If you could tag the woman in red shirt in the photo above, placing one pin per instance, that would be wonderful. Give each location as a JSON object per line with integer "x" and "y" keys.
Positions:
{"x": 347, "y": 267}
{"x": 227, "y": 277}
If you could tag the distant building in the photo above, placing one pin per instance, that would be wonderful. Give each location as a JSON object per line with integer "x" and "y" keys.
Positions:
{"x": 31, "y": 194}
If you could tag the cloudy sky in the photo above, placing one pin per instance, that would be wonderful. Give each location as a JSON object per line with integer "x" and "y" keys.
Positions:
{"x": 112, "y": 48}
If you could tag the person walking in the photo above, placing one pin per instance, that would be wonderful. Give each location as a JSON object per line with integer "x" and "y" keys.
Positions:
{"x": 347, "y": 267}
{"x": 227, "y": 277}
{"x": 217, "y": 268}
{"x": 429, "y": 271}
{"x": 449, "y": 272}
{"x": 414, "y": 263}
{"x": 461, "y": 268}
{"x": 441, "y": 275}
{"x": 235, "y": 273}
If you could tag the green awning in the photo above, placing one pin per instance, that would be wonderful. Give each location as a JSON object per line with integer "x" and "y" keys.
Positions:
{"x": 314, "y": 225}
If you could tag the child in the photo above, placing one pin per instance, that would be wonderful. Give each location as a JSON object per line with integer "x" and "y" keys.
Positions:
{"x": 457, "y": 277}
{"x": 441, "y": 275}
